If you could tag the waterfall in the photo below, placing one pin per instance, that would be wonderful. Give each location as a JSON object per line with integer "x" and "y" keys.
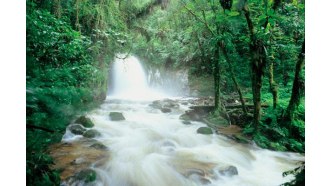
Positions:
{"x": 130, "y": 81}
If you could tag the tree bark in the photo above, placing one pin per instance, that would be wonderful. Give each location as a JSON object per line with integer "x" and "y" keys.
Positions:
{"x": 273, "y": 85}
{"x": 58, "y": 8}
{"x": 216, "y": 76}
{"x": 298, "y": 86}
{"x": 257, "y": 66}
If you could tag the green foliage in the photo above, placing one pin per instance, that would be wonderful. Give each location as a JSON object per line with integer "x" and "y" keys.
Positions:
{"x": 69, "y": 46}
{"x": 64, "y": 78}
{"x": 299, "y": 174}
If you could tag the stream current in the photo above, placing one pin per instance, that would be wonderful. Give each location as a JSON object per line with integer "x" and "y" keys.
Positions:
{"x": 153, "y": 148}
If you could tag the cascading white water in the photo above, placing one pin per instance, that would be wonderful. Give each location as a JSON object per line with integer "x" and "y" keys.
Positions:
{"x": 130, "y": 81}
{"x": 152, "y": 148}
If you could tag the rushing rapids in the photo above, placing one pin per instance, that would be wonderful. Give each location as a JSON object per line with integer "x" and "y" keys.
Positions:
{"x": 151, "y": 147}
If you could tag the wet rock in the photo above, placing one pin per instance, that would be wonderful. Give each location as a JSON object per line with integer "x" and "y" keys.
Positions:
{"x": 87, "y": 175}
{"x": 156, "y": 104}
{"x": 99, "y": 145}
{"x": 204, "y": 130}
{"x": 165, "y": 105}
{"x": 71, "y": 158}
{"x": 204, "y": 181}
{"x": 77, "y": 129}
{"x": 92, "y": 133}
{"x": 168, "y": 103}
{"x": 186, "y": 122}
{"x": 116, "y": 116}
{"x": 84, "y": 121}
{"x": 184, "y": 103}
{"x": 166, "y": 110}
{"x": 184, "y": 117}
{"x": 168, "y": 144}
{"x": 199, "y": 177}
{"x": 197, "y": 113}
{"x": 229, "y": 171}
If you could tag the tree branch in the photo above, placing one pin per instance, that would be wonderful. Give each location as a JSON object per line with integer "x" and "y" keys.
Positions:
{"x": 30, "y": 126}
{"x": 199, "y": 19}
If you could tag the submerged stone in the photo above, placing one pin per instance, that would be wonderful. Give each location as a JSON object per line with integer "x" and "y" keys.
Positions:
{"x": 86, "y": 122}
{"x": 229, "y": 171}
{"x": 92, "y": 133}
{"x": 204, "y": 130}
{"x": 166, "y": 110}
{"x": 77, "y": 129}
{"x": 186, "y": 122}
{"x": 116, "y": 116}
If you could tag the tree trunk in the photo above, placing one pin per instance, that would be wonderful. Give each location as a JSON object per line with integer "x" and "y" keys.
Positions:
{"x": 298, "y": 86}
{"x": 58, "y": 8}
{"x": 216, "y": 76}
{"x": 256, "y": 90}
{"x": 233, "y": 77}
{"x": 272, "y": 84}
{"x": 77, "y": 24}
{"x": 258, "y": 62}
{"x": 200, "y": 46}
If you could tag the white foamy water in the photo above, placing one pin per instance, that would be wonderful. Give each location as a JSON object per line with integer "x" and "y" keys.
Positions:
{"x": 130, "y": 81}
{"x": 151, "y": 148}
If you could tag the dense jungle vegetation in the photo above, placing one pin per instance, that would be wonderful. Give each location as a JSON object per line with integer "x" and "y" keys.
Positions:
{"x": 253, "y": 50}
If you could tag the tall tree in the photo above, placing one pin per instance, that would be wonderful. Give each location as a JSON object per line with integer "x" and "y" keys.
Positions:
{"x": 257, "y": 65}
{"x": 298, "y": 86}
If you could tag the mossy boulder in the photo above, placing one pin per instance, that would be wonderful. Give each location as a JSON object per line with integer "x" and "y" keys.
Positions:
{"x": 204, "y": 130}
{"x": 116, "y": 116}
{"x": 92, "y": 133}
{"x": 77, "y": 129}
{"x": 84, "y": 121}
{"x": 87, "y": 175}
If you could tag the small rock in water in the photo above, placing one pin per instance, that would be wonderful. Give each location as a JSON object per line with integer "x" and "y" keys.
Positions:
{"x": 204, "y": 130}
{"x": 116, "y": 116}
{"x": 186, "y": 122}
{"x": 200, "y": 179}
{"x": 166, "y": 110}
{"x": 91, "y": 133}
{"x": 229, "y": 171}
{"x": 77, "y": 129}
{"x": 84, "y": 121}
